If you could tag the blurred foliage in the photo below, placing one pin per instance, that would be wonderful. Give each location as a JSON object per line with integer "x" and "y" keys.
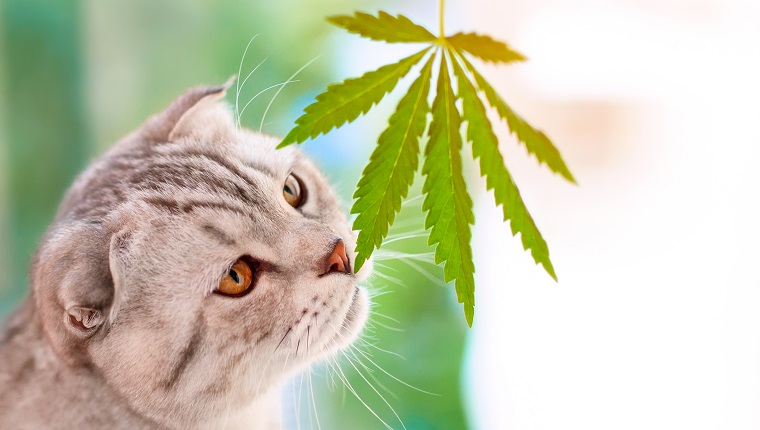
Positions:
{"x": 45, "y": 110}
{"x": 75, "y": 76}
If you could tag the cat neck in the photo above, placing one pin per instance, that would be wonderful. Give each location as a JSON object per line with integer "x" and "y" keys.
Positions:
{"x": 264, "y": 413}
{"x": 32, "y": 374}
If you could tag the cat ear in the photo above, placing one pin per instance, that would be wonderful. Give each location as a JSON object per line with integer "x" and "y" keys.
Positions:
{"x": 73, "y": 287}
{"x": 118, "y": 250}
{"x": 84, "y": 321}
{"x": 196, "y": 112}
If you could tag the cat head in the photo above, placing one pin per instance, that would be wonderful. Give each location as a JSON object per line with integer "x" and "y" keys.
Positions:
{"x": 194, "y": 266}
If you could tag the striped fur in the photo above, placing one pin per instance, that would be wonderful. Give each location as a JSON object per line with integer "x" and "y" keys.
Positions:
{"x": 122, "y": 328}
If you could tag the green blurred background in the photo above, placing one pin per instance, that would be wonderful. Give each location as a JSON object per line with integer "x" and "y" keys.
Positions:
{"x": 77, "y": 75}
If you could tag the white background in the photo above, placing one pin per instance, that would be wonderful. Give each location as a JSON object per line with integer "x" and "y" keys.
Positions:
{"x": 655, "y": 322}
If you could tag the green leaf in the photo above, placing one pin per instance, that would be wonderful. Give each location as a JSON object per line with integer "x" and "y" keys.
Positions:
{"x": 344, "y": 102}
{"x": 485, "y": 148}
{"x": 535, "y": 141}
{"x": 447, "y": 203}
{"x": 485, "y": 48}
{"x": 384, "y": 27}
{"x": 386, "y": 180}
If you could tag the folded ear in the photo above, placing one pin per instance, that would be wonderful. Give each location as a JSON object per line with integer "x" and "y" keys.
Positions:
{"x": 194, "y": 113}
{"x": 73, "y": 287}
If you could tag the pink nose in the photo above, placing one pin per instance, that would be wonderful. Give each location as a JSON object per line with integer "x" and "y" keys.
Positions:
{"x": 337, "y": 261}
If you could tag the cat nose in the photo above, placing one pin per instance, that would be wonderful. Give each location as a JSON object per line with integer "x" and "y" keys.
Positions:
{"x": 337, "y": 261}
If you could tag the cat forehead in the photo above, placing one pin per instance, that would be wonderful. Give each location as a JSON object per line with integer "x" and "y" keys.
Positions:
{"x": 210, "y": 125}
{"x": 260, "y": 149}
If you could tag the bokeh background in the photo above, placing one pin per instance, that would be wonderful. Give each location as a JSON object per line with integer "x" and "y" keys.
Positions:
{"x": 654, "y": 323}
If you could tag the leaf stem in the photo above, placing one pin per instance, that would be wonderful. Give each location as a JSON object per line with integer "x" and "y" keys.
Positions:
{"x": 440, "y": 19}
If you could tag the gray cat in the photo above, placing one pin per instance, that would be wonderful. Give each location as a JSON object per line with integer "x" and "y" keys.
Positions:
{"x": 188, "y": 273}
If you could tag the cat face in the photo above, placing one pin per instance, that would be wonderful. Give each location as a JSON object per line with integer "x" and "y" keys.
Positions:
{"x": 195, "y": 266}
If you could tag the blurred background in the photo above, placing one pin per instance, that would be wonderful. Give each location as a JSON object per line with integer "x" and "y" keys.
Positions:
{"x": 654, "y": 323}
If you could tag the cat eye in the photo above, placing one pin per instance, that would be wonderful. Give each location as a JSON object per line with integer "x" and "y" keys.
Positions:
{"x": 238, "y": 280}
{"x": 293, "y": 191}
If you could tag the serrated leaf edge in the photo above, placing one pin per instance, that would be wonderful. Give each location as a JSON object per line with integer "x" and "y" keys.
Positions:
{"x": 464, "y": 280}
{"x": 300, "y": 122}
{"x": 513, "y": 56}
{"x": 540, "y": 250}
{"x": 353, "y": 23}
{"x": 497, "y": 102}
{"x": 425, "y": 74}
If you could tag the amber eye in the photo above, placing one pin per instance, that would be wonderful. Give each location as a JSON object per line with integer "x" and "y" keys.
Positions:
{"x": 293, "y": 191}
{"x": 238, "y": 280}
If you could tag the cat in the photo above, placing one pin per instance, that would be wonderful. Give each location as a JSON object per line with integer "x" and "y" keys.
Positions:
{"x": 187, "y": 274}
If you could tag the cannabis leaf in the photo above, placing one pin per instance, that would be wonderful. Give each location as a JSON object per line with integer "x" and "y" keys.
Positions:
{"x": 447, "y": 203}
{"x": 536, "y": 142}
{"x": 484, "y": 48}
{"x": 344, "y": 102}
{"x": 388, "y": 176}
{"x": 386, "y": 180}
{"x": 485, "y": 147}
{"x": 384, "y": 27}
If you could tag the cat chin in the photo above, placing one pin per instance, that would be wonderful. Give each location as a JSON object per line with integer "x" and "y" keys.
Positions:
{"x": 353, "y": 323}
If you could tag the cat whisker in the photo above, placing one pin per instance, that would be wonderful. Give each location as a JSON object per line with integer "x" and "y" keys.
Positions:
{"x": 400, "y": 231}
{"x": 371, "y": 374}
{"x": 282, "y": 84}
{"x": 283, "y": 338}
{"x": 412, "y": 200}
{"x": 285, "y": 363}
{"x": 411, "y": 261}
{"x": 408, "y": 221}
{"x": 332, "y": 362}
{"x": 404, "y": 237}
{"x": 385, "y": 326}
{"x": 284, "y": 366}
{"x": 387, "y": 317}
{"x": 333, "y": 373}
{"x": 395, "y": 378}
{"x": 290, "y": 79}
{"x": 366, "y": 337}
{"x": 435, "y": 280}
{"x": 237, "y": 81}
{"x": 297, "y": 402}
{"x": 387, "y": 254}
{"x": 313, "y": 401}
{"x": 242, "y": 84}
{"x": 385, "y": 266}
{"x": 329, "y": 375}
{"x": 374, "y": 389}
{"x": 263, "y": 372}
{"x": 347, "y": 384}
{"x": 373, "y": 345}
{"x": 237, "y": 112}
{"x": 379, "y": 293}
{"x": 388, "y": 278}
